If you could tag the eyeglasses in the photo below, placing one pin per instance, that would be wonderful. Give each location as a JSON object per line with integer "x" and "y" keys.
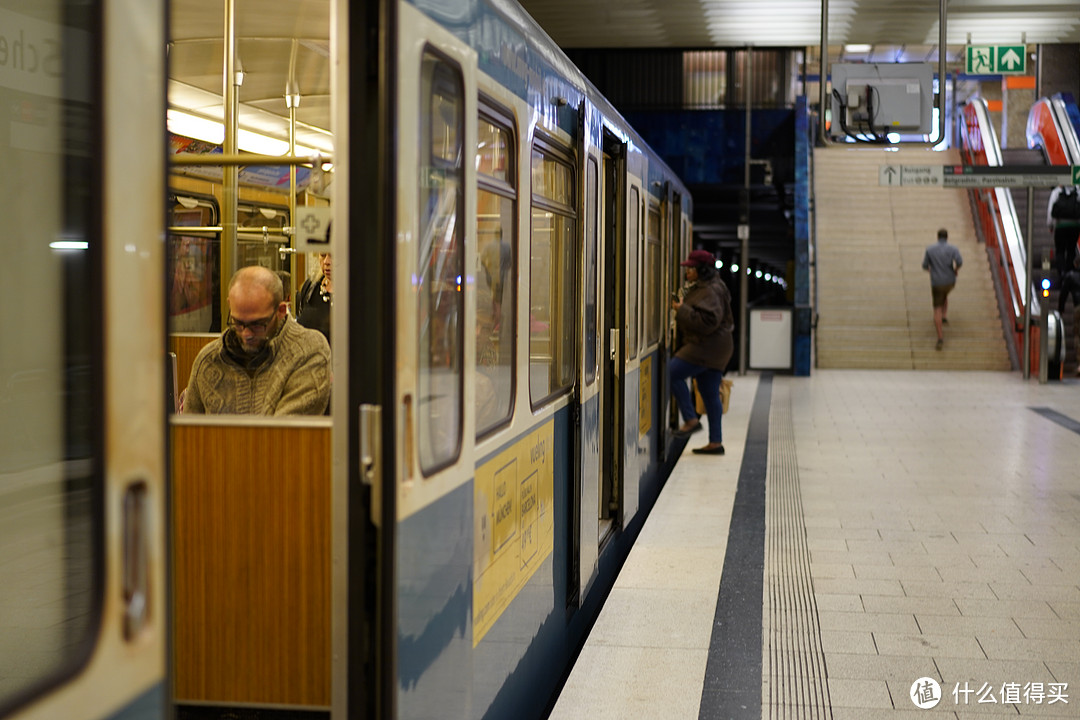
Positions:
{"x": 255, "y": 326}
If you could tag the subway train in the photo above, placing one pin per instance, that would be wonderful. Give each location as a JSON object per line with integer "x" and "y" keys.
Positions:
{"x": 503, "y": 248}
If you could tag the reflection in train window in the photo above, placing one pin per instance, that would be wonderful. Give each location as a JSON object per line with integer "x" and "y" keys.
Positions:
{"x": 260, "y": 233}
{"x": 633, "y": 235}
{"x": 652, "y": 278}
{"x": 496, "y": 285}
{"x": 194, "y": 259}
{"x": 553, "y": 273}
{"x": 592, "y": 339}
{"x": 440, "y": 263}
{"x": 50, "y": 370}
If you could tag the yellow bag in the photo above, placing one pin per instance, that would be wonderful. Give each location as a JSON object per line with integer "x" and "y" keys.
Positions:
{"x": 725, "y": 396}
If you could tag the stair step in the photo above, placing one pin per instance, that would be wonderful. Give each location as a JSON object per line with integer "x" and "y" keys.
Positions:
{"x": 874, "y": 308}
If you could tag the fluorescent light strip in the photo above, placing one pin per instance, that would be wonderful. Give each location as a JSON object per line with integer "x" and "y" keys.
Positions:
{"x": 212, "y": 131}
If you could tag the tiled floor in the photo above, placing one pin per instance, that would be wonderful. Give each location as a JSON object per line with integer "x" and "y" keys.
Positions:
{"x": 942, "y": 521}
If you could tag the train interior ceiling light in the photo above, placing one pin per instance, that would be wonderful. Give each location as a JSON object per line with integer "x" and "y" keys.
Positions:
{"x": 212, "y": 131}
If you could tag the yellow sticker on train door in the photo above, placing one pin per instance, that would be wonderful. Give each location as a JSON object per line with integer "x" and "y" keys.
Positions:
{"x": 645, "y": 396}
{"x": 514, "y": 524}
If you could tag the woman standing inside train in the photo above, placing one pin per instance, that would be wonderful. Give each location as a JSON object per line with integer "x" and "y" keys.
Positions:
{"x": 313, "y": 300}
{"x": 705, "y": 320}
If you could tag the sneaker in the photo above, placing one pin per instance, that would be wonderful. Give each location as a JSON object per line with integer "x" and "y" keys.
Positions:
{"x": 940, "y": 344}
{"x": 944, "y": 321}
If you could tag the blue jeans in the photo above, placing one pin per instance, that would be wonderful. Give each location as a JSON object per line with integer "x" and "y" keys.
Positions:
{"x": 708, "y": 385}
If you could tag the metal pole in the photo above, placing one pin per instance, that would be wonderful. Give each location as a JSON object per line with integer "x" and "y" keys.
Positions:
{"x": 1027, "y": 285}
{"x": 942, "y": 51}
{"x": 292, "y": 102}
{"x": 744, "y": 265}
{"x": 230, "y": 174}
{"x": 824, "y": 55}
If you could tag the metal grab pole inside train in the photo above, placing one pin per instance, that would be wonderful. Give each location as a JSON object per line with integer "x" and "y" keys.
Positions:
{"x": 292, "y": 102}
{"x": 230, "y": 173}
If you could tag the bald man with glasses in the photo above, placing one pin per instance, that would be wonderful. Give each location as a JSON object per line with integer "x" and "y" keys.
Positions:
{"x": 265, "y": 363}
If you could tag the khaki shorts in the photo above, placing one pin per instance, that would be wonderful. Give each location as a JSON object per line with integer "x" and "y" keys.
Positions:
{"x": 940, "y": 292}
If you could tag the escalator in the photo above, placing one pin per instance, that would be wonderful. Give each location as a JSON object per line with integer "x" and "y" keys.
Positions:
{"x": 1052, "y": 132}
{"x": 1001, "y": 215}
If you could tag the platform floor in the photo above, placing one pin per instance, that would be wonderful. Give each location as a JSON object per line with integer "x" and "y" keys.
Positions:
{"x": 866, "y": 531}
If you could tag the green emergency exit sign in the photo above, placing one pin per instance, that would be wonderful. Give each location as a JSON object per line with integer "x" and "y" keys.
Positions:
{"x": 996, "y": 59}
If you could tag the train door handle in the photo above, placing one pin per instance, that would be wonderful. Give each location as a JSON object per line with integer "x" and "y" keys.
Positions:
{"x": 136, "y": 558}
{"x": 614, "y": 350}
{"x": 371, "y": 456}
{"x": 370, "y": 442}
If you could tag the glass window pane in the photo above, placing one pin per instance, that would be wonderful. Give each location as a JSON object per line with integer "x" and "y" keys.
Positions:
{"x": 496, "y": 290}
{"x": 652, "y": 279}
{"x": 592, "y": 339}
{"x": 193, "y": 270}
{"x": 633, "y": 240}
{"x": 50, "y": 532}
{"x": 492, "y": 151}
{"x": 439, "y": 267}
{"x": 552, "y": 179}
{"x": 552, "y": 306}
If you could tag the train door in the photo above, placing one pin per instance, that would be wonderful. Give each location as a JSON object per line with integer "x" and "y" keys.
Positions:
{"x": 82, "y": 364}
{"x": 676, "y": 248}
{"x": 671, "y": 229}
{"x": 406, "y": 413}
{"x": 614, "y": 329}
{"x": 586, "y": 529}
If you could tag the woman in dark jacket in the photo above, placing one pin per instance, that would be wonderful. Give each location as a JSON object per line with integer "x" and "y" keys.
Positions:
{"x": 313, "y": 300}
{"x": 704, "y": 318}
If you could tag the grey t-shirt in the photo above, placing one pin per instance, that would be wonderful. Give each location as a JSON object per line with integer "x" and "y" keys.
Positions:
{"x": 942, "y": 260}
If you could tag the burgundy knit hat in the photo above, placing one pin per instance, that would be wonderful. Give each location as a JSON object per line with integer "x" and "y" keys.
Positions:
{"x": 699, "y": 257}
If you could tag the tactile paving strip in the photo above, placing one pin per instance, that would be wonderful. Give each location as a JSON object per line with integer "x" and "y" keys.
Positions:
{"x": 794, "y": 683}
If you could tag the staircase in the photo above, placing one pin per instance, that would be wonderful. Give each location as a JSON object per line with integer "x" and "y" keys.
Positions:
{"x": 874, "y": 308}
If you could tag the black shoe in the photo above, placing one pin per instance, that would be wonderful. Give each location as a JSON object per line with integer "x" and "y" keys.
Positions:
{"x": 686, "y": 431}
{"x": 718, "y": 450}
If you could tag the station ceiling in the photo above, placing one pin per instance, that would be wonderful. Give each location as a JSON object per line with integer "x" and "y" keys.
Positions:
{"x": 889, "y": 26}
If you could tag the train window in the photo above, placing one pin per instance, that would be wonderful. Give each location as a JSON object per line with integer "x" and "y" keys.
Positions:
{"x": 653, "y": 307}
{"x": 592, "y": 339}
{"x": 553, "y": 276}
{"x": 194, "y": 259}
{"x": 632, "y": 240}
{"x": 51, "y": 412}
{"x": 496, "y": 285}
{"x": 440, "y": 264}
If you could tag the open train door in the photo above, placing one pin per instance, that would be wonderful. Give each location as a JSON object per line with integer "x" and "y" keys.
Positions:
{"x": 83, "y": 619}
{"x": 615, "y": 212}
{"x": 363, "y": 680}
{"x": 410, "y": 122}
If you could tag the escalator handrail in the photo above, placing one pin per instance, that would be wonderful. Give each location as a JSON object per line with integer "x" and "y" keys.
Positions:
{"x": 1001, "y": 226}
{"x": 1044, "y": 132}
{"x": 1067, "y": 117}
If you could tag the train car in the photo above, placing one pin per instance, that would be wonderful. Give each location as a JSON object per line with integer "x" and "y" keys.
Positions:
{"x": 83, "y": 607}
{"x": 503, "y": 248}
